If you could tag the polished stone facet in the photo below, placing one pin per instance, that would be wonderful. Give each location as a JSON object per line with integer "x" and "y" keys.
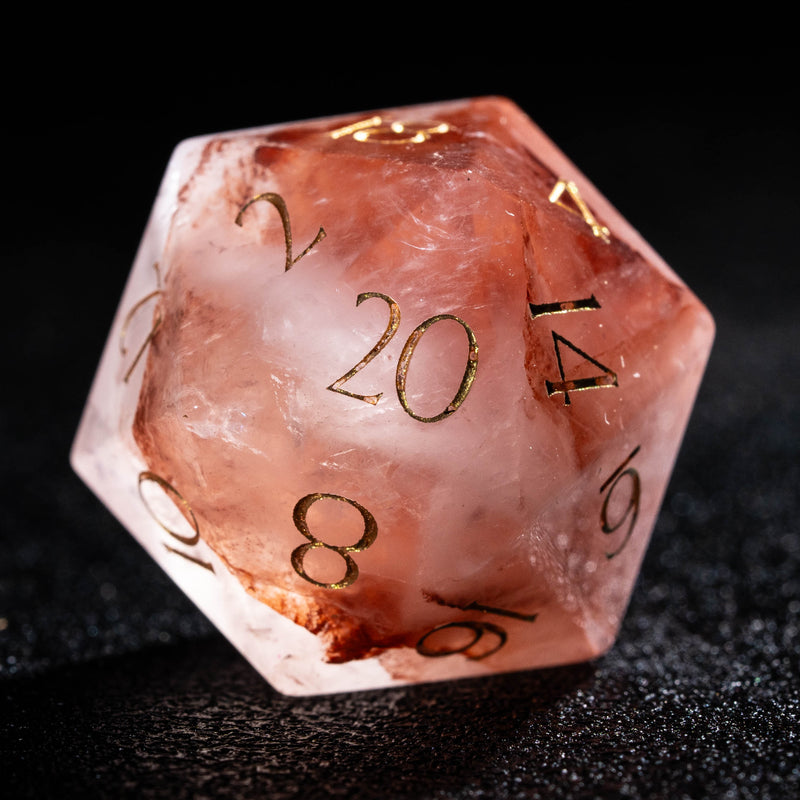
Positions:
{"x": 394, "y": 397}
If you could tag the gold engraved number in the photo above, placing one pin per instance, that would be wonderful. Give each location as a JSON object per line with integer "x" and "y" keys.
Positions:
{"x": 600, "y": 231}
{"x": 632, "y": 510}
{"x": 170, "y": 490}
{"x": 298, "y": 554}
{"x": 129, "y": 318}
{"x": 608, "y": 379}
{"x": 278, "y": 202}
{"x": 478, "y": 630}
{"x": 405, "y": 360}
{"x": 376, "y": 129}
{"x": 391, "y": 329}
{"x": 587, "y": 304}
{"x": 474, "y": 606}
{"x": 501, "y": 612}
{"x": 565, "y": 386}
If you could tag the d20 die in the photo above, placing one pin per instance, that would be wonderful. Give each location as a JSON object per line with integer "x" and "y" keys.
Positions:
{"x": 394, "y": 397}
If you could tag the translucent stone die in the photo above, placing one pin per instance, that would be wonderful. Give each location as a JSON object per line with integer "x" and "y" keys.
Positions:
{"x": 394, "y": 397}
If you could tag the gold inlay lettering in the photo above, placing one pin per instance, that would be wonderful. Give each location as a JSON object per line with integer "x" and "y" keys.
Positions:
{"x": 278, "y": 202}
{"x": 587, "y": 304}
{"x": 378, "y": 129}
{"x": 502, "y": 612}
{"x": 170, "y": 490}
{"x": 123, "y": 334}
{"x": 391, "y": 329}
{"x": 600, "y": 231}
{"x": 349, "y": 130}
{"x": 632, "y": 508}
{"x": 565, "y": 386}
{"x": 474, "y": 606}
{"x": 478, "y": 629}
{"x": 193, "y": 559}
{"x": 405, "y": 360}
{"x": 299, "y": 515}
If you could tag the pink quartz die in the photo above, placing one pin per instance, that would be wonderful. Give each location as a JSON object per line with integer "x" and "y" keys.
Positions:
{"x": 394, "y": 397}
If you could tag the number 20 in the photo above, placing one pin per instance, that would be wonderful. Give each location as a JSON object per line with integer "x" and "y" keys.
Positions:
{"x": 405, "y": 360}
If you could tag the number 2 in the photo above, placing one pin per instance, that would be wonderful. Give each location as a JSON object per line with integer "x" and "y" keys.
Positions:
{"x": 280, "y": 205}
{"x": 391, "y": 329}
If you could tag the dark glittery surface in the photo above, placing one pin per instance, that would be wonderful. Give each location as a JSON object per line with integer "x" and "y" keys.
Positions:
{"x": 112, "y": 684}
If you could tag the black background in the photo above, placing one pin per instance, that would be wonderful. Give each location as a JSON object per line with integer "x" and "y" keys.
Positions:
{"x": 112, "y": 684}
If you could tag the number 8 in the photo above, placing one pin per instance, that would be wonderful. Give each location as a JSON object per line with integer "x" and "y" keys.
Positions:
{"x": 298, "y": 554}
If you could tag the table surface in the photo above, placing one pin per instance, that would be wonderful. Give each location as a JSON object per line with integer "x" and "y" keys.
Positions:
{"x": 113, "y": 684}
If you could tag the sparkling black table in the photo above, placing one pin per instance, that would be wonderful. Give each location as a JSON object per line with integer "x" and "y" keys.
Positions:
{"x": 113, "y": 685}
